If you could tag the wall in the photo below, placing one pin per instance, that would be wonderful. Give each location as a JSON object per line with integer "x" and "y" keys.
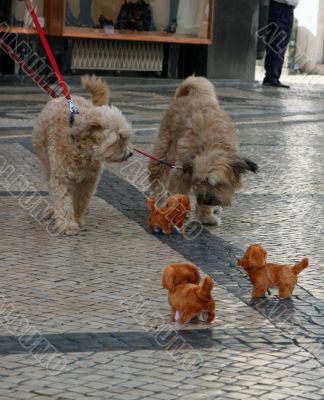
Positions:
{"x": 310, "y": 38}
{"x": 233, "y": 52}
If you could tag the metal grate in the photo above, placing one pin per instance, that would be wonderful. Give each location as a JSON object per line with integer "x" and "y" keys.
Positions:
{"x": 114, "y": 55}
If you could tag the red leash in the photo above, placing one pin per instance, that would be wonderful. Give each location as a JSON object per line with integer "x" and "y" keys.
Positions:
{"x": 157, "y": 159}
{"x": 51, "y": 57}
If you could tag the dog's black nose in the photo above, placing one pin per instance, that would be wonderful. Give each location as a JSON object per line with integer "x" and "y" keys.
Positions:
{"x": 209, "y": 200}
{"x": 130, "y": 154}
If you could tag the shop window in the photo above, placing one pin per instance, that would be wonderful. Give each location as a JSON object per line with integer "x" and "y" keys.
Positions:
{"x": 168, "y": 21}
{"x": 175, "y": 18}
{"x": 15, "y": 13}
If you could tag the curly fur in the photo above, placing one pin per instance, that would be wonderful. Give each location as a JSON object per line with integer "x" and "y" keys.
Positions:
{"x": 73, "y": 157}
{"x": 264, "y": 275}
{"x": 98, "y": 89}
{"x": 197, "y": 134}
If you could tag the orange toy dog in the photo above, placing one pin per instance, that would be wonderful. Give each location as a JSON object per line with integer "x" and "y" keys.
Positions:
{"x": 264, "y": 276}
{"x": 173, "y": 214}
{"x": 186, "y": 297}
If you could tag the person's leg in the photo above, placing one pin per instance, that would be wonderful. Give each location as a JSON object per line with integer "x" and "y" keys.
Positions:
{"x": 281, "y": 20}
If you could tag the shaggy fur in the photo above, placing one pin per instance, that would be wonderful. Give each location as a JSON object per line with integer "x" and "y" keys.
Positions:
{"x": 197, "y": 134}
{"x": 73, "y": 157}
{"x": 265, "y": 276}
{"x": 185, "y": 295}
{"x": 173, "y": 214}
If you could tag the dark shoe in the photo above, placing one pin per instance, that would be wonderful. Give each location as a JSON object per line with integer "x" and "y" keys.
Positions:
{"x": 275, "y": 84}
{"x": 283, "y": 86}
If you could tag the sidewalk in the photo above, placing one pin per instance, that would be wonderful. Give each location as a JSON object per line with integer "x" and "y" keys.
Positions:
{"x": 86, "y": 317}
{"x": 299, "y": 79}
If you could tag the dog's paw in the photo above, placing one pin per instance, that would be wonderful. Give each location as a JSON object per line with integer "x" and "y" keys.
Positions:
{"x": 212, "y": 219}
{"x": 203, "y": 316}
{"x": 72, "y": 230}
{"x": 82, "y": 226}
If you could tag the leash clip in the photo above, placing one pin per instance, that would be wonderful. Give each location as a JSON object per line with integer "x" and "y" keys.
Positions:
{"x": 72, "y": 107}
{"x": 178, "y": 167}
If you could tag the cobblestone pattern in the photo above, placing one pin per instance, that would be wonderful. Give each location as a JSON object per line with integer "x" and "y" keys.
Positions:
{"x": 86, "y": 295}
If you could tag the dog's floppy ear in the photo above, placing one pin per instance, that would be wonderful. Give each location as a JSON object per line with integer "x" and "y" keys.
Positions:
{"x": 187, "y": 167}
{"x": 251, "y": 166}
{"x": 89, "y": 126}
{"x": 257, "y": 259}
{"x": 243, "y": 165}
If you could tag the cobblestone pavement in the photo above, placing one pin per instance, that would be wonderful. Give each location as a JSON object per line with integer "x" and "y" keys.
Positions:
{"x": 86, "y": 317}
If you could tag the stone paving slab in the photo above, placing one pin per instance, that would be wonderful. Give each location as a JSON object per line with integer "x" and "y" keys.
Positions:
{"x": 92, "y": 307}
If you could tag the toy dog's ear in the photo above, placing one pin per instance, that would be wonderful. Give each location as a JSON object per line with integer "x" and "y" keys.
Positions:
{"x": 186, "y": 202}
{"x": 243, "y": 261}
{"x": 257, "y": 255}
{"x": 151, "y": 202}
{"x": 168, "y": 279}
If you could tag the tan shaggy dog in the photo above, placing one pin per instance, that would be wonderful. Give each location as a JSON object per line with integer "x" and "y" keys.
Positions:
{"x": 265, "y": 276}
{"x": 198, "y": 135}
{"x": 73, "y": 157}
{"x": 186, "y": 297}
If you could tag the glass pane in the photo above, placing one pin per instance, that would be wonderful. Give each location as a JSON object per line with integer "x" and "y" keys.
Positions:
{"x": 15, "y": 13}
{"x": 5, "y": 11}
{"x": 189, "y": 18}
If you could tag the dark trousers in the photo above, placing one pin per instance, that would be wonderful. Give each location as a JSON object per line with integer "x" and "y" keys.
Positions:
{"x": 281, "y": 20}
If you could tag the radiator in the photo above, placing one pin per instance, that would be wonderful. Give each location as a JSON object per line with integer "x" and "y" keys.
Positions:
{"x": 116, "y": 55}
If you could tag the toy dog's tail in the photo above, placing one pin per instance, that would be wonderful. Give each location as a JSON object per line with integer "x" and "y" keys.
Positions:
{"x": 151, "y": 202}
{"x": 300, "y": 266}
{"x": 206, "y": 288}
{"x": 176, "y": 274}
{"x": 98, "y": 89}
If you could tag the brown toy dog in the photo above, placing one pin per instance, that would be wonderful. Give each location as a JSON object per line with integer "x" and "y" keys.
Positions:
{"x": 186, "y": 297}
{"x": 265, "y": 276}
{"x": 173, "y": 214}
